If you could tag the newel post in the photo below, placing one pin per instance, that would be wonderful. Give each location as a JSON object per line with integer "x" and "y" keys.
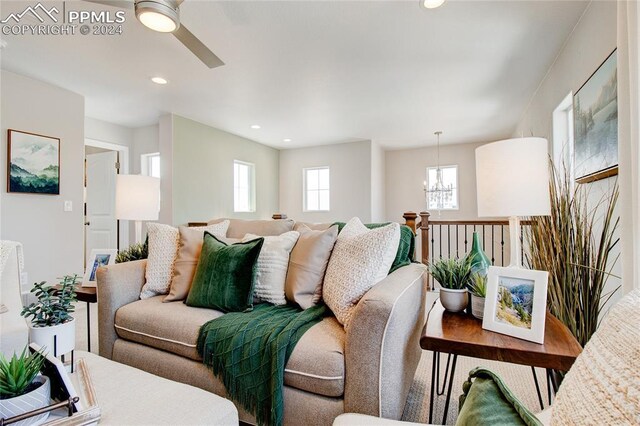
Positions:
{"x": 278, "y": 216}
{"x": 424, "y": 229}
{"x": 410, "y": 220}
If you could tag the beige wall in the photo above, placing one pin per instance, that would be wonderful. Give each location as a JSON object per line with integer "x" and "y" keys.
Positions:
{"x": 592, "y": 40}
{"x": 406, "y": 171}
{"x": 146, "y": 140}
{"x": 350, "y": 175}
{"x": 378, "y": 185}
{"x": 52, "y": 238}
{"x": 202, "y": 172}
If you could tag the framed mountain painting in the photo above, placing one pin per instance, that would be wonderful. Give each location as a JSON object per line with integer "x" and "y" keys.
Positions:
{"x": 33, "y": 163}
{"x": 595, "y": 117}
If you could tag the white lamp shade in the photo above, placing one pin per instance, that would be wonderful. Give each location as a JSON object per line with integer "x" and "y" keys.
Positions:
{"x": 513, "y": 178}
{"x": 137, "y": 197}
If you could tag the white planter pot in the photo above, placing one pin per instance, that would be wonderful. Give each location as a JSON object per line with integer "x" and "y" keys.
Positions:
{"x": 454, "y": 300}
{"x": 33, "y": 400}
{"x": 477, "y": 306}
{"x": 65, "y": 337}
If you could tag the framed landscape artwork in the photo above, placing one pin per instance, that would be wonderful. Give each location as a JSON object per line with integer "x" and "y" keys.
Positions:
{"x": 97, "y": 259}
{"x": 516, "y": 302}
{"x": 595, "y": 119}
{"x": 33, "y": 163}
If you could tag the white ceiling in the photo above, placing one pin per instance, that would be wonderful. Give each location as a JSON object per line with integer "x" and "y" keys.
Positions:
{"x": 317, "y": 72}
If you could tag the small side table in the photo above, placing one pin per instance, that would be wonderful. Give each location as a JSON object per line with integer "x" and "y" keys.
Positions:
{"x": 88, "y": 295}
{"x": 462, "y": 334}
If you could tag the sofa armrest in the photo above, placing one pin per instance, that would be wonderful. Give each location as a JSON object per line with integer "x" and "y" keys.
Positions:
{"x": 382, "y": 349}
{"x": 118, "y": 285}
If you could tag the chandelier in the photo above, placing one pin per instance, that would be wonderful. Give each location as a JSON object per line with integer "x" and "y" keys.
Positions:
{"x": 438, "y": 194}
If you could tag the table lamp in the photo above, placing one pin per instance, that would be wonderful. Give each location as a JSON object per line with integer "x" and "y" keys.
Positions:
{"x": 512, "y": 178}
{"x": 138, "y": 199}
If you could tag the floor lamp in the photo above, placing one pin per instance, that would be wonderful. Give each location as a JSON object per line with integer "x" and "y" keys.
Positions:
{"x": 138, "y": 199}
{"x": 513, "y": 180}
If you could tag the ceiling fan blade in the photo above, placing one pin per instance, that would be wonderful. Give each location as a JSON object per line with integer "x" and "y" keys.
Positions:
{"x": 196, "y": 47}
{"x": 122, "y": 4}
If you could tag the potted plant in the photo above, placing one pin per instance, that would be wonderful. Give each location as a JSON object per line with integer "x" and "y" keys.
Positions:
{"x": 51, "y": 324}
{"x": 478, "y": 290}
{"x": 453, "y": 276}
{"x": 21, "y": 388}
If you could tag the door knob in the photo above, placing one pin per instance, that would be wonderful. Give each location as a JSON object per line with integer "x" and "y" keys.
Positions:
{"x": 87, "y": 223}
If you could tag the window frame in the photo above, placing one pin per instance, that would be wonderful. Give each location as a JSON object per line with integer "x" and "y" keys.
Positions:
{"x": 145, "y": 163}
{"x": 251, "y": 189}
{"x": 456, "y": 187}
{"x": 305, "y": 190}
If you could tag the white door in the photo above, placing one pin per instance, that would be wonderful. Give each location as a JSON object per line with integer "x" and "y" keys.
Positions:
{"x": 101, "y": 230}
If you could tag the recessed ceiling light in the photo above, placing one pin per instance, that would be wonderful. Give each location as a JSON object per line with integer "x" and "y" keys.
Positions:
{"x": 286, "y": 140}
{"x": 431, "y": 4}
{"x": 159, "y": 80}
{"x": 255, "y": 126}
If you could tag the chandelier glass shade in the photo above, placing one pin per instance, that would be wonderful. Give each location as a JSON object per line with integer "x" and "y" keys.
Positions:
{"x": 437, "y": 193}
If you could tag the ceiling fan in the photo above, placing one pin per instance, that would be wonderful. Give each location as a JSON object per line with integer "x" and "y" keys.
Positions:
{"x": 164, "y": 16}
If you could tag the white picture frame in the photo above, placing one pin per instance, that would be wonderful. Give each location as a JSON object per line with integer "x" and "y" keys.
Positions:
{"x": 516, "y": 302}
{"x": 98, "y": 258}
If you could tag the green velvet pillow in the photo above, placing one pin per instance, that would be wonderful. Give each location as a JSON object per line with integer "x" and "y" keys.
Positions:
{"x": 487, "y": 401}
{"x": 406, "y": 247}
{"x": 225, "y": 275}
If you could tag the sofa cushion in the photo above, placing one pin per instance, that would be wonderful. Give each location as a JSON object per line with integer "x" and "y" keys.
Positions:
{"x": 172, "y": 327}
{"x": 238, "y": 228}
{"x": 316, "y": 364}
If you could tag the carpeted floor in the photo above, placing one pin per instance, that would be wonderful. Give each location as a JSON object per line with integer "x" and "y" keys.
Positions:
{"x": 519, "y": 378}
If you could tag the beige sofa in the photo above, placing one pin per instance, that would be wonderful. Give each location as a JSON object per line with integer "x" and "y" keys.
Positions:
{"x": 368, "y": 369}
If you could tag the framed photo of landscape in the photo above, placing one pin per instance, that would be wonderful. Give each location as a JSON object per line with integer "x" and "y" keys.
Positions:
{"x": 33, "y": 163}
{"x": 516, "y": 302}
{"x": 595, "y": 124}
{"x": 98, "y": 258}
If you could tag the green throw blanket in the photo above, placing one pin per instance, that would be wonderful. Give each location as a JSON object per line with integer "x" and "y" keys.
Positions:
{"x": 248, "y": 352}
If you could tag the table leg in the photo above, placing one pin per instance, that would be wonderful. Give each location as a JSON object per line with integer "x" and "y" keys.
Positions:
{"x": 551, "y": 379}
{"x": 535, "y": 380}
{"x": 439, "y": 391}
{"x": 433, "y": 382}
{"x": 446, "y": 404}
{"x": 88, "y": 327}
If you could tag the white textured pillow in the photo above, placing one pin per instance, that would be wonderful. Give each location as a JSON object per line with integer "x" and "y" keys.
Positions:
{"x": 272, "y": 265}
{"x": 361, "y": 258}
{"x": 163, "y": 250}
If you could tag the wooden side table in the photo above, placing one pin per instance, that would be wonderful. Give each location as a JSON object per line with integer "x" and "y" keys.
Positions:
{"x": 88, "y": 295}
{"x": 462, "y": 334}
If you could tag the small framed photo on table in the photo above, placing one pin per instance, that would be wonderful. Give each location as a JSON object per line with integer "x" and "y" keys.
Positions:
{"x": 98, "y": 258}
{"x": 516, "y": 303}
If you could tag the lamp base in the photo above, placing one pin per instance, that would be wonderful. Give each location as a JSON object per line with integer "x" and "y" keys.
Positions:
{"x": 515, "y": 242}
{"x": 138, "y": 227}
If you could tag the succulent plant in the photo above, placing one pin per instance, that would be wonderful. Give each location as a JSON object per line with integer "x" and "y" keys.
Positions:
{"x": 53, "y": 306}
{"x": 17, "y": 373}
{"x": 133, "y": 252}
{"x": 478, "y": 284}
{"x": 453, "y": 274}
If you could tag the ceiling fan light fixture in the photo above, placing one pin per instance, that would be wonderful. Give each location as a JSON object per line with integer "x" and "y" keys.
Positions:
{"x": 158, "y": 15}
{"x": 431, "y": 4}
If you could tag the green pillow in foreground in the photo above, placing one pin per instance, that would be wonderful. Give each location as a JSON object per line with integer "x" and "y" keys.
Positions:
{"x": 488, "y": 401}
{"x": 225, "y": 275}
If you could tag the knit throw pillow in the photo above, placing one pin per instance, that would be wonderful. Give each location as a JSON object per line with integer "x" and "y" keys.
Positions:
{"x": 361, "y": 258}
{"x": 189, "y": 248}
{"x": 272, "y": 266}
{"x": 603, "y": 385}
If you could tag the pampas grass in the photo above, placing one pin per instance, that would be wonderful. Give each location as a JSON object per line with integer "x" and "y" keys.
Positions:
{"x": 575, "y": 245}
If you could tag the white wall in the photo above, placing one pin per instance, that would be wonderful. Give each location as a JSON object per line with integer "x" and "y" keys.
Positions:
{"x": 108, "y": 132}
{"x": 350, "y": 180}
{"x": 378, "y": 185}
{"x": 406, "y": 171}
{"x": 202, "y": 172}
{"x": 52, "y": 238}
{"x": 146, "y": 140}
{"x": 591, "y": 42}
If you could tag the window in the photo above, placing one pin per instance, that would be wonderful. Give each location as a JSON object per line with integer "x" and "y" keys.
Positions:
{"x": 447, "y": 200}
{"x": 244, "y": 195}
{"x": 563, "y": 135}
{"x": 150, "y": 164}
{"x": 316, "y": 189}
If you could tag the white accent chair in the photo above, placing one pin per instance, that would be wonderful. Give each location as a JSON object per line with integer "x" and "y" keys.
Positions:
{"x": 14, "y": 333}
